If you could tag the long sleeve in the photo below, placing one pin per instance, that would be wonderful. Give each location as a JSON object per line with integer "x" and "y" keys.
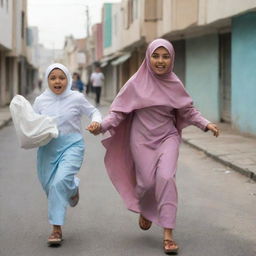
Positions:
{"x": 113, "y": 119}
{"x": 36, "y": 106}
{"x": 193, "y": 117}
{"x": 90, "y": 111}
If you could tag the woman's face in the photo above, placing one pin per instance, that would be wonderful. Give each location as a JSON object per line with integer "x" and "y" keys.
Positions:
{"x": 57, "y": 81}
{"x": 160, "y": 61}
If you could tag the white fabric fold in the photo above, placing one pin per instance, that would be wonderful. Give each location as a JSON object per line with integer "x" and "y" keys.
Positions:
{"x": 33, "y": 130}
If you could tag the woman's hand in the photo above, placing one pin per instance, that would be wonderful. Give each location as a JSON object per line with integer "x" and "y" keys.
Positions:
{"x": 94, "y": 128}
{"x": 214, "y": 128}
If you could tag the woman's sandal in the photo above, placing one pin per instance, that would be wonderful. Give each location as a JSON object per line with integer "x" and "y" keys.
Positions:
{"x": 55, "y": 238}
{"x": 144, "y": 223}
{"x": 170, "y": 247}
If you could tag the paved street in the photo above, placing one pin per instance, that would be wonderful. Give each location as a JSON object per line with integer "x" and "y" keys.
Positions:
{"x": 216, "y": 216}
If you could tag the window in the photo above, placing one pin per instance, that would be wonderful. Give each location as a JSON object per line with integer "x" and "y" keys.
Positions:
{"x": 153, "y": 10}
{"x": 130, "y": 12}
{"x": 107, "y": 36}
{"x": 135, "y": 9}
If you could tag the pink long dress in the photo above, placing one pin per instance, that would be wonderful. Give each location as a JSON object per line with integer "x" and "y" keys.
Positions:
{"x": 154, "y": 147}
{"x": 145, "y": 123}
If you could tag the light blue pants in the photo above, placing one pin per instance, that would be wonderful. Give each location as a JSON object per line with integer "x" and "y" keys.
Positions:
{"x": 57, "y": 164}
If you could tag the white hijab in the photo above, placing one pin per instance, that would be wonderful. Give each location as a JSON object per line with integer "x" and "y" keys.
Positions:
{"x": 48, "y": 91}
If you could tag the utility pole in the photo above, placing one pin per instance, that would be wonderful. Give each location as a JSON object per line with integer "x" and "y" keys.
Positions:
{"x": 87, "y": 21}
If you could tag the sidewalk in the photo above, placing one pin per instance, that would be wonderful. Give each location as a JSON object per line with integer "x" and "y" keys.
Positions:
{"x": 5, "y": 116}
{"x": 230, "y": 148}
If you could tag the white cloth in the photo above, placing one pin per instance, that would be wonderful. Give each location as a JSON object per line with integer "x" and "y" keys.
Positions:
{"x": 66, "y": 108}
{"x": 32, "y": 130}
{"x": 97, "y": 79}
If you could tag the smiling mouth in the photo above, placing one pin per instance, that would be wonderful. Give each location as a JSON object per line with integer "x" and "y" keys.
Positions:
{"x": 57, "y": 87}
{"x": 160, "y": 67}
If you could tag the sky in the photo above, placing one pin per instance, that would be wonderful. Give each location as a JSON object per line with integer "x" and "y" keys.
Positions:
{"x": 56, "y": 19}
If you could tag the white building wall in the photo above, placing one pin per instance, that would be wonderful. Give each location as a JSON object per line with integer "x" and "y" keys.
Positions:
{"x": 6, "y": 13}
{"x": 165, "y": 24}
{"x": 181, "y": 15}
{"x": 130, "y": 33}
{"x": 177, "y": 15}
{"x": 221, "y": 9}
{"x": 33, "y": 47}
{"x": 123, "y": 33}
{"x": 19, "y": 42}
{"x": 117, "y": 25}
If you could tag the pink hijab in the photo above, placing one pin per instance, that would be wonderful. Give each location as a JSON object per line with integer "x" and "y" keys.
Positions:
{"x": 144, "y": 89}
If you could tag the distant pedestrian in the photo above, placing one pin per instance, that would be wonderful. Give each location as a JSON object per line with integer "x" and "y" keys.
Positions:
{"x": 40, "y": 84}
{"x": 59, "y": 161}
{"x": 77, "y": 84}
{"x": 145, "y": 123}
{"x": 97, "y": 79}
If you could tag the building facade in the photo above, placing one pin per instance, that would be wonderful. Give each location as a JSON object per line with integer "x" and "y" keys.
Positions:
{"x": 215, "y": 50}
{"x": 17, "y": 74}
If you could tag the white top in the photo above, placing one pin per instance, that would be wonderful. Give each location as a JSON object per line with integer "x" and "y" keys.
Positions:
{"x": 68, "y": 107}
{"x": 97, "y": 79}
{"x": 67, "y": 111}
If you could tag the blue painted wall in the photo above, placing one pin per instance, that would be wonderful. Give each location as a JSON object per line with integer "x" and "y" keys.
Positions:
{"x": 202, "y": 67}
{"x": 107, "y": 28}
{"x": 244, "y": 73}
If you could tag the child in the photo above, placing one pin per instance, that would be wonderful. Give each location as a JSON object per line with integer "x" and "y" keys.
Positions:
{"x": 60, "y": 160}
{"x": 77, "y": 83}
{"x": 145, "y": 123}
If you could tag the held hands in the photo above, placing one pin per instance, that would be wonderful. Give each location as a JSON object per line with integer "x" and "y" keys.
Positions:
{"x": 214, "y": 128}
{"x": 94, "y": 128}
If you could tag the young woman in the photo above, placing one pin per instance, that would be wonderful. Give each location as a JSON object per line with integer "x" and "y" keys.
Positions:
{"x": 145, "y": 123}
{"x": 60, "y": 160}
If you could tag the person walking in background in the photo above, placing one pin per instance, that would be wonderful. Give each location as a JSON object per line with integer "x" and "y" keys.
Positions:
{"x": 145, "y": 123}
{"x": 59, "y": 161}
{"x": 77, "y": 84}
{"x": 73, "y": 84}
{"x": 97, "y": 79}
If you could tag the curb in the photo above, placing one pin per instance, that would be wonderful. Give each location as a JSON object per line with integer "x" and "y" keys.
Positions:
{"x": 235, "y": 167}
{"x": 5, "y": 123}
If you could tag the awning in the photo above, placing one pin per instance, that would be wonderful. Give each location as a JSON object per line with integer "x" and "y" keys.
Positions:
{"x": 104, "y": 61}
{"x": 121, "y": 59}
{"x": 104, "y": 64}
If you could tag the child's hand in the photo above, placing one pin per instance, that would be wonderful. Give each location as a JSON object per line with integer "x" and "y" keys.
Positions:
{"x": 214, "y": 128}
{"x": 94, "y": 128}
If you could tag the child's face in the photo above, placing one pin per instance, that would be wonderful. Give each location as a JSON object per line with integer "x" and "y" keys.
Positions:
{"x": 57, "y": 81}
{"x": 160, "y": 61}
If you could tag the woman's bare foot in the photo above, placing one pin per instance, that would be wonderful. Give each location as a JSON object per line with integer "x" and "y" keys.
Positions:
{"x": 144, "y": 223}
{"x": 56, "y": 236}
{"x": 169, "y": 245}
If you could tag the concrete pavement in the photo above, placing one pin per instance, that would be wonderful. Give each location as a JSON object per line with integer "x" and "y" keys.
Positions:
{"x": 231, "y": 148}
{"x": 216, "y": 212}
{"x": 5, "y": 116}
